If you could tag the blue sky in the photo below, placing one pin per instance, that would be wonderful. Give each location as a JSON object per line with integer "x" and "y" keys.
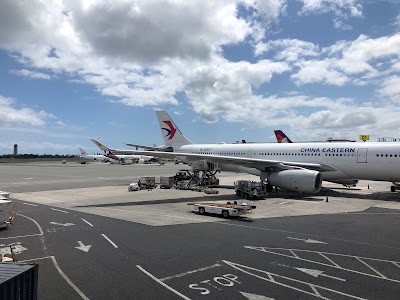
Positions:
{"x": 225, "y": 71}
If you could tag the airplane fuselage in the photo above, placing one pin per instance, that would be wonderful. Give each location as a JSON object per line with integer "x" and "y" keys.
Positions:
{"x": 369, "y": 161}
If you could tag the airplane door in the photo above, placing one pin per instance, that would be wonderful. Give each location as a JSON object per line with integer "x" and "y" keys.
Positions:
{"x": 362, "y": 155}
{"x": 249, "y": 153}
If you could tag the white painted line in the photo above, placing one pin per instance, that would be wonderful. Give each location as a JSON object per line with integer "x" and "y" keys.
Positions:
{"x": 62, "y": 224}
{"x": 316, "y": 273}
{"x": 110, "y": 241}
{"x": 162, "y": 283}
{"x": 294, "y": 254}
{"x": 20, "y": 236}
{"x": 396, "y": 264}
{"x": 310, "y": 241}
{"x": 68, "y": 280}
{"x": 30, "y": 204}
{"x": 262, "y": 249}
{"x": 330, "y": 260}
{"x": 380, "y": 274}
{"x": 190, "y": 272}
{"x": 37, "y": 224}
{"x": 315, "y": 235}
{"x": 245, "y": 269}
{"x": 33, "y": 259}
{"x": 63, "y": 211}
{"x": 86, "y": 222}
{"x": 315, "y": 290}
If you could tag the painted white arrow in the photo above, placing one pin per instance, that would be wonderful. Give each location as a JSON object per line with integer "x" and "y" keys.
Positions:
{"x": 255, "y": 297}
{"x": 317, "y": 273}
{"x": 83, "y": 247}
{"x": 307, "y": 240}
{"x": 61, "y": 224}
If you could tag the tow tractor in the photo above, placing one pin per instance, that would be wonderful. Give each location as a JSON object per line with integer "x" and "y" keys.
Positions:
{"x": 228, "y": 209}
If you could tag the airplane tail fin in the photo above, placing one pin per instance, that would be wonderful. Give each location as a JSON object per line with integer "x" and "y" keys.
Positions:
{"x": 173, "y": 137}
{"x": 101, "y": 146}
{"x": 83, "y": 152}
{"x": 281, "y": 137}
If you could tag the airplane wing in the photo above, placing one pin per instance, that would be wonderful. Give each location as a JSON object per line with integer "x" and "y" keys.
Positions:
{"x": 260, "y": 164}
{"x": 144, "y": 147}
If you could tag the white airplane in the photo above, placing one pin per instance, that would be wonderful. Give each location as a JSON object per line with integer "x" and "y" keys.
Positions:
{"x": 91, "y": 157}
{"x": 123, "y": 158}
{"x": 281, "y": 137}
{"x": 293, "y": 166}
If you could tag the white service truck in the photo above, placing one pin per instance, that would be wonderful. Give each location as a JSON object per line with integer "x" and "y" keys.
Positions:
{"x": 226, "y": 210}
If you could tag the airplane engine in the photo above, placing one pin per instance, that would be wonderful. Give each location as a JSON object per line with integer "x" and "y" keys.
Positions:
{"x": 303, "y": 181}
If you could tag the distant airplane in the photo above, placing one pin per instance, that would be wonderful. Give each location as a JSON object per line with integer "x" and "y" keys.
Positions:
{"x": 89, "y": 157}
{"x": 120, "y": 157}
{"x": 281, "y": 137}
{"x": 293, "y": 166}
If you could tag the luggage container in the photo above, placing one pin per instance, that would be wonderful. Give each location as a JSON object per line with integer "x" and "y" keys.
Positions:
{"x": 167, "y": 182}
{"x": 18, "y": 281}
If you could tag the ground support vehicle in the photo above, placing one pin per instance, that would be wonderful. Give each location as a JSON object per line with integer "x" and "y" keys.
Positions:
{"x": 167, "y": 182}
{"x": 18, "y": 281}
{"x": 147, "y": 182}
{"x": 228, "y": 209}
{"x": 245, "y": 188}
{"x": 134, "y": 186}
{"x": 210, "y": 191}
{"x": 183, "y": 175}
{"x": 184, "y": 179}
{"x": 7, "y": 210}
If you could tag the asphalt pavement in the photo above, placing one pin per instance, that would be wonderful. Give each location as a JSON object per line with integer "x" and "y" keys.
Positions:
{"x": 82, "y": 255}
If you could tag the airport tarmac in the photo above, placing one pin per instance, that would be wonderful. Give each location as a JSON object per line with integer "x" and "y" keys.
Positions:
{"x": 95, "y": 240}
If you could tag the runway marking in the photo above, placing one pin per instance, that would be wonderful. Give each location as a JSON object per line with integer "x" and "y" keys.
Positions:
{"x": 86, "y": 222}
{"x": 61, "y": 273}
{"x": 33, "y": 259}
{"x": 67, "y": 279}
{"x": 162, "y": 283}
{"x": 110, "y": 241}
{"x": 300, "y": 233}
{"x": 330, "y": 260}
{"x": 396, "y": 264}
{"x": 190, "y": 272}
{"x": 41, "y": 233}
{"x": 247, "y": 269}
{"x": 37, "y": 224}
{"x": 20, "y": 236}
{"x": 380, "y": 274}
{"x": 63, "y": 211}
{"x": 336, "y": 266}
{"x": 30, "y": 204}
{"x": 294, "y": 254}
{"x": 310, "y": 241}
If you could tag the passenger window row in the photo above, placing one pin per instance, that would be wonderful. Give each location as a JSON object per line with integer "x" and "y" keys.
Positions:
{"x": 387, "y": 155}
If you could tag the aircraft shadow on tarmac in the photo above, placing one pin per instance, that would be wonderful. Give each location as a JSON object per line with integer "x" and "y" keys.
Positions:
{"x": 167, "y": 201}
{"x": 335, "y": 192}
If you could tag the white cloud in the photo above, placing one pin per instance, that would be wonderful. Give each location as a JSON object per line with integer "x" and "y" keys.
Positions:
{"x": 11, "y": 116}
{"x": 290, "y": 50}
{"x": 144, "y": 52}
{"x": 351, "y": 8}
{"x": 319, "y": 71}
{"x": 341, "y": 9}
{"x": 227, "y": 87}
{"x": 391, "y": 88}
{"x": 31, "y": 74}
